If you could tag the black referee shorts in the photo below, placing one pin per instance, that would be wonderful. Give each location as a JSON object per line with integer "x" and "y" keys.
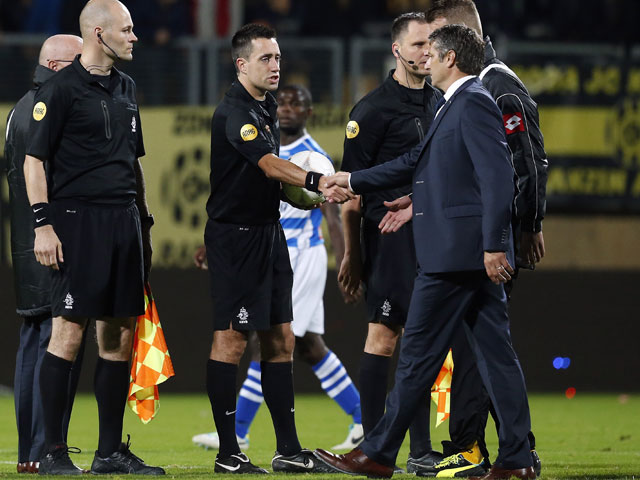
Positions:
{"x": 389, "y": 272}
{"x": 251, "y": 276}
{"x": 102, "y": 274}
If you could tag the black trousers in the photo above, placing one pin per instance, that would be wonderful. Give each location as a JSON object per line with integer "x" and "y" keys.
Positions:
{"x": 34, "y": 340}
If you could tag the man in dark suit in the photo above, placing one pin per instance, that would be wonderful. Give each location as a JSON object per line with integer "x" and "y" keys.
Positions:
{"x": 463, "y": 188}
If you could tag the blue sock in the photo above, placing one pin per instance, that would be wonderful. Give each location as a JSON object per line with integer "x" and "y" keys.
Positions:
{"x": 337, "y": 384}
{"x": 249, "y": 400}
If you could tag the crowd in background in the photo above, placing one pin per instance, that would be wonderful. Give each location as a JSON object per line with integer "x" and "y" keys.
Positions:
{"x": 158, "y": 21}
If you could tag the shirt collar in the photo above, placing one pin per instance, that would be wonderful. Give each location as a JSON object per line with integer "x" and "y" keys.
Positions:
{"x": 237, "y": 90}
{"x": 42, "y": 74}
{"x": 456, "y": 85}
{"x": 489, "y": 51}
{"x": 298, "y": 141}
{"x": 86, "y": 76}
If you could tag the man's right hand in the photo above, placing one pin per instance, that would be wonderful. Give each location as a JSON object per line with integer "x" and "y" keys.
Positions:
{"x": 340, "y": 178}
{"x": 350, "y": 299}
{"x": 47, "y": 247}
{"x": 350, "y": 274}
{"x": 335, "y": 191}
{"x": 200, "y": 258}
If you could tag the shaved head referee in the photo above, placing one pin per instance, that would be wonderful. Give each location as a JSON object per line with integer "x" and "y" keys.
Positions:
{"x": 91, "y": 227}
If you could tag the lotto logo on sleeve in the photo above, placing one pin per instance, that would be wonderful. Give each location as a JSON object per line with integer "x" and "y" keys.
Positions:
{"x": 248, "y": 132}
{"x": 513, "y": 123}
{"x": 352, "y": 129}
{"x": 39, "y": 111}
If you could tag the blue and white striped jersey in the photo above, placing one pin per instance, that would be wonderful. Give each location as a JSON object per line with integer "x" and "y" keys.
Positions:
{"x": 301, "y": 227}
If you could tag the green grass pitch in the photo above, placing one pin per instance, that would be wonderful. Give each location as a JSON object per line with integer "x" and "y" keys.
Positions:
{"x": 587, "y": 437}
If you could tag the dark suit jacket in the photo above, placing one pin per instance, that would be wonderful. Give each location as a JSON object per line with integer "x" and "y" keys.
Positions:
{"x": 463, "y": 184}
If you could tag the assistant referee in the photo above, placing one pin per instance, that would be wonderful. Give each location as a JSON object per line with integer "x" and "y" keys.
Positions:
{"x": 87, "y": 209}
{"x": 251, "y": 277}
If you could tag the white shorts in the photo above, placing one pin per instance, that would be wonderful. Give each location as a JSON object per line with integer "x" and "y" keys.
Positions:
{"x": 309, "y": 267}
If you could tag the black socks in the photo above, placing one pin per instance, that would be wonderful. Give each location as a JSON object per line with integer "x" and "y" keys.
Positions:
{"x": 277, "y": 388}
{"x": 374, "y": 371}
{"x": 111, "y": 386}
{"x": 54, "y": 381}
{"x": 221, "y": 387}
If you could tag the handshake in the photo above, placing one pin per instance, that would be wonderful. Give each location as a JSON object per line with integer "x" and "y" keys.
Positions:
{"x": 335, "y": 188}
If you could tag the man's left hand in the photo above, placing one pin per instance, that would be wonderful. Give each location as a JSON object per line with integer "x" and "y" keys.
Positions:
{"x": 147, "y": 251}
{"x": 532, "y": 247}
{"x": 497, "y": 267}
{"x": 400, "y": 212}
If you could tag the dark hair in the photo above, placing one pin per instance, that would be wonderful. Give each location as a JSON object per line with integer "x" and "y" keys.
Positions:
{"x": 306, "y": 94}
{"x": 401, "y": 23}
{"x": 455, "y": 11}
{"x": 465, "y": 42}
{"x": 241, "y": 41}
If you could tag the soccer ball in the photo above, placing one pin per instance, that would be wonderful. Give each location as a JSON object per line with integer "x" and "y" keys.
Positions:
{"x": 311, "y": 162}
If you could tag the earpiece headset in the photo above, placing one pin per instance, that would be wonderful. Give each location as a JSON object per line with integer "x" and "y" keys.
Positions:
{"x": 107, "y": 45}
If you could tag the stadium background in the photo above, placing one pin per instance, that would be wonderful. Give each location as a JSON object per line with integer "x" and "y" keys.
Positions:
{"x": 581, "y": 62}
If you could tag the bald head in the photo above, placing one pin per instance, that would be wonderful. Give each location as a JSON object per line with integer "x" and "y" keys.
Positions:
{"x": 464, "y": 12}
{"x": 107, "y": 31}
{"x": 100, "y": 13}
{"x": 59, "y": 50}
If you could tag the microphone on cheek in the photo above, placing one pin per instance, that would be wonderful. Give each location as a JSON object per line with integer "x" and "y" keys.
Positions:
{"x": 411, "y": 63}
{"x": 107, "y": 45}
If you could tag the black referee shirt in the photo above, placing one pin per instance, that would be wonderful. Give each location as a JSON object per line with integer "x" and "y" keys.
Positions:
{"x": 386, "y": 123}
{"x": 243, "y": 130}
{"x": 87, "y": 127}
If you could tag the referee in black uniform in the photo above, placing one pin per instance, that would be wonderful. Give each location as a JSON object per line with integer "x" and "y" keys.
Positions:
{"x": 391, "y": 119}
{"x": 251, "y": 276}
{"x": 32, "y": 280}
{"x": 90, "y": 213}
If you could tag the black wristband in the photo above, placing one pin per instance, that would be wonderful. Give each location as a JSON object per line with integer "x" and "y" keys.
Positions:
{"x": 41, "y": 214}
{"x": 312, "y": 182}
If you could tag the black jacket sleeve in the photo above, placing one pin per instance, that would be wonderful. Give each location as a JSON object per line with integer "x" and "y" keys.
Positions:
{"x": 522, "y": 128}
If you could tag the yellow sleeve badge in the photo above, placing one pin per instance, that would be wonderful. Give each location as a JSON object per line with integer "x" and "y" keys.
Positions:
{"x": 39, "y": 111}
{"x": 248, "y": 132}
{"x": 352, "y": 129}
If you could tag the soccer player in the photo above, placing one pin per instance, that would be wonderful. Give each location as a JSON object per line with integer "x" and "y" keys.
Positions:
{"x": 250, "y": 271}
{"x": 308, "y": 255}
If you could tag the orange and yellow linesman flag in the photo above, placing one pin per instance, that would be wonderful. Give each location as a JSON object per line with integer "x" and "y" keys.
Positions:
{"x": 150, "y": 363}
{"x": 441, "y": 390}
